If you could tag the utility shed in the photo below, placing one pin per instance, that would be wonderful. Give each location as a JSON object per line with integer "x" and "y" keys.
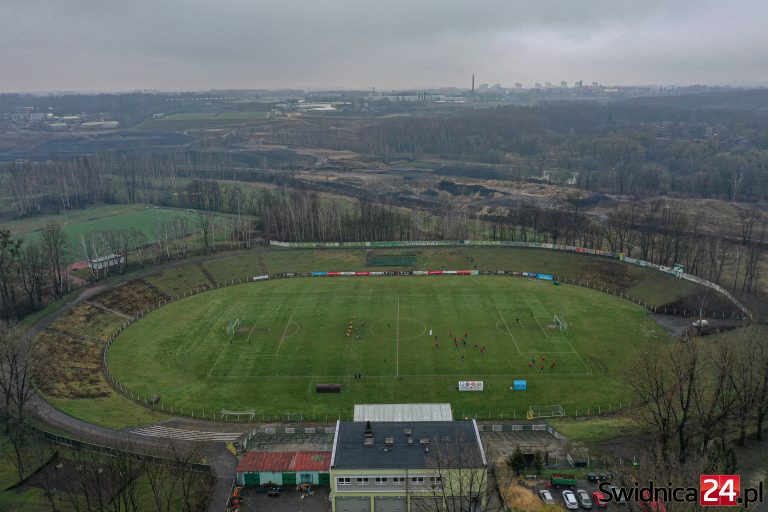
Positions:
{"x": 284, "y": 468}
{"x": 403, "y": 412}
{"x": 108, "y": 261}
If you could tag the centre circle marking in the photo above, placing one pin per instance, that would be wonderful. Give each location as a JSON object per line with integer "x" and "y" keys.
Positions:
{"x": 409, "y": 323}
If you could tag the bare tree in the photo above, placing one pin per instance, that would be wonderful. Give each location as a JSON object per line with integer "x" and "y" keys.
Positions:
{"x": 745, "y": 378}
{"x": 714, "y": 401}
{"x": 55, "y": 244}
{"x": 18, "y": 367}
{"x": 458, "y": 481}
{"x": 654, "y": 467}
{"x": 667, "y": 385}
{"x": 175, "y": 484}
{"x": 761, "y": 399}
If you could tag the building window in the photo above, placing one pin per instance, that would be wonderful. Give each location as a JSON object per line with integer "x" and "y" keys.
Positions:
{"x": 362, "y": 481}
{"x": 419, "y": 480}
{"x": 344, "y": 481}
{"x": 436, "y": 481}
{"x": 381, "y": 480}
{"x": 398, "y": 480}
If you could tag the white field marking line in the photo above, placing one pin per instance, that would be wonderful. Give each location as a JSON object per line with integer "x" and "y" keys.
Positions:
{"x": 285, "y": 331}
{"x": 560, "y": 338}
{"x": 210, "y": 372}
{"x": 545, "y": 352}
{"x": 295, "y": 332}
{"x": 251, "y": 331}
{"x": 246, "y": 358}
{"x": 567, "y": 340}
{"x": 389, "y": 377}
{"x": 540, "y": 327}
{"x": 397, "y": 349}
{"x": 377, "y": 322}
{"x": 578, "y": 355}
{"x": 508, "y": 331}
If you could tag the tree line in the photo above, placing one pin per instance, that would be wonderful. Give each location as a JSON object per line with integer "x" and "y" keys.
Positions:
{"x": 210, "y": 185}
{"x": 231, "y": 217}
{"x": 695, "y": 399}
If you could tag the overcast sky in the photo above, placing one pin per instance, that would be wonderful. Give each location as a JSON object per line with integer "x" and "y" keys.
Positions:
{"x": 118, "y": 45}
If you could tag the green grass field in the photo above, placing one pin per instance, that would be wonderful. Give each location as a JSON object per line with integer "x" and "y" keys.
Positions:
{"x": 295, "y": 333}
{"x": 102, "y": 218}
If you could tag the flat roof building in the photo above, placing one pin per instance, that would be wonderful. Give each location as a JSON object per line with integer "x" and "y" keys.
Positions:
{"x": 394, "y": 466}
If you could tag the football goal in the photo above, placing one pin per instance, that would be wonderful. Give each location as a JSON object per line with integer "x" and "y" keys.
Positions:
{"x": 232, "y": 326}
{"x": 545, "y": 411}
{"x": 236, "y": 415}
{"x": 561, "y": 322}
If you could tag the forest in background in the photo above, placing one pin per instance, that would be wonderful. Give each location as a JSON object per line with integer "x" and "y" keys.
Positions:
{"x": 630, "y": 155}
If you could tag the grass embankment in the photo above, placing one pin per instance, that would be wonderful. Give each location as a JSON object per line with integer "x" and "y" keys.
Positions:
{"x": 101, "y": 405}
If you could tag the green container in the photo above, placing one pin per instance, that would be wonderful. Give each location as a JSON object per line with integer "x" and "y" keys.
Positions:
{"x": 563, "y": 480}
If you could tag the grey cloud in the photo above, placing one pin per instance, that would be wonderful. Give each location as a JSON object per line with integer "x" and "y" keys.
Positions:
{"x": 191, "y": 44}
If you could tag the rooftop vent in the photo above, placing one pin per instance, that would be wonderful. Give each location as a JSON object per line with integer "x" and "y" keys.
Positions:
{"x": 368, "y": 429}
{"x": 424, "y": 440}
{"x": 407, "y": 431}
{"x": 410, "y": 440}
{"x": 389, "y": 440}
{"x": 368, "y": 441}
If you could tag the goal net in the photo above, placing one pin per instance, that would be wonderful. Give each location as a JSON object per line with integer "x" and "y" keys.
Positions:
{"x": 232, "y": 326}
{"x": 237, "y": 415}
{"x": 561, "y": 322}
{"x": 545, "y": 411}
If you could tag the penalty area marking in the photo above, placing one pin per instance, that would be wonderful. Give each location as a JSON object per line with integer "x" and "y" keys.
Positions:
{"x": 545, "y": 332}
{"x": 254, "y": 356}
{"x": 498, "y": 328}
{"x": 285, "y": 331}
{"x": 508, "y": 331}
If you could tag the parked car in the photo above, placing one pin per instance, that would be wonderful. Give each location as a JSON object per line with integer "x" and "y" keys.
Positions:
{"x": 599, "y": 499}
{"x": 570, "y": 500}
{"x": 583, "y": 497}
{"x": 546, "y": 497}
{"x": 701, "y": 323}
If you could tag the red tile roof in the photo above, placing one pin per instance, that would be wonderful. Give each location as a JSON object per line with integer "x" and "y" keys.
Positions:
{"x": 254, "y": 462}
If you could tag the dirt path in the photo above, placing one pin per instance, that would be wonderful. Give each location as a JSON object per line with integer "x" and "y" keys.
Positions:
{"x": 108, "y": 310}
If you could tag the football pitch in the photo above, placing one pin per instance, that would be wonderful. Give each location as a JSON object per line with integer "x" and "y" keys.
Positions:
{"x": 266, "y": 345}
